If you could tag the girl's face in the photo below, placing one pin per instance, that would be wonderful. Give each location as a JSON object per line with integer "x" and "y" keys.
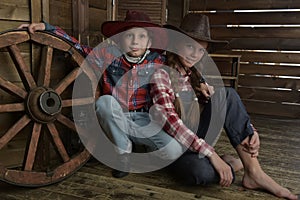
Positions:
{"x": 191, "y": 52}
{"x": 135, "y": 41}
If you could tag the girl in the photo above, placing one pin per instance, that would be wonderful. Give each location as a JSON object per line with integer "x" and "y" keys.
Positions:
{"x": 174, "y": 97}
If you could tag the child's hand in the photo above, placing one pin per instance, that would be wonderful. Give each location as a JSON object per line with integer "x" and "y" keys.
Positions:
{"x": 223, "y": 169}
{"x": 251, "y": 144}
{"x": 204, "y": 92}
{"x": 33, "y": 27}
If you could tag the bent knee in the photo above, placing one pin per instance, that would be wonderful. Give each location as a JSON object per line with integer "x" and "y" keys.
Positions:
{"x": 104, "y": 105}
{"x": 231, "y": 93}
{"x": 196, "y": 171}
{"x": 172, "y": 151}
{"x": 104, "y": 101}
{"x": 196, "y": 176}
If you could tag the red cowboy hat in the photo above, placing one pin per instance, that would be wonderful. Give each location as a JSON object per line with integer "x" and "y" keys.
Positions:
{"x": 137, "y": 19}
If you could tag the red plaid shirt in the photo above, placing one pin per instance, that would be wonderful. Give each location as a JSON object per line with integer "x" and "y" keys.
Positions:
{"x": 127, "y": 82}
{"x": 163, "y": 98}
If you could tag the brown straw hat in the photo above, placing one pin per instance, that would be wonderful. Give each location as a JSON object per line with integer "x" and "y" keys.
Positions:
{"x": 197, "y": 26}
{"x": 136, "y": 19}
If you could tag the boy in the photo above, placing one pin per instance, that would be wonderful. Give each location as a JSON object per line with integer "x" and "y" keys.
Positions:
{"x": 126, "y": 69}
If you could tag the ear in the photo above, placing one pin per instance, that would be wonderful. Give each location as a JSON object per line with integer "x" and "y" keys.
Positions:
{"x": 149, "y": 43}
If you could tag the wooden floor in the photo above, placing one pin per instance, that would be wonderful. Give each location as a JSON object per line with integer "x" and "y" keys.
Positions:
{"x": 279, "y": 157}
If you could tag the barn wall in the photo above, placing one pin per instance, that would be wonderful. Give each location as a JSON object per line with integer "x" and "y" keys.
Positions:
{"x": 60, "y": 14}
{"x": 88, "y": 16}
{"x": 269, "y": 79}
{"x": 12, "y": 14}
{"x": 99, "y": 12}
{"x": 156, "y": 9}
{"x": 175, "y": 11}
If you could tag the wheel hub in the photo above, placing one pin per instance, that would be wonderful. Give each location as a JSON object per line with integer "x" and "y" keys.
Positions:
{"x": 43, "y": 104}
{"x": 50, "y": 102}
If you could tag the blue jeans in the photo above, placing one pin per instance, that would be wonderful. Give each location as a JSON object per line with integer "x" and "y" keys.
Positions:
{"x": 127, "y": 128}
{"x": 195, "y": 170}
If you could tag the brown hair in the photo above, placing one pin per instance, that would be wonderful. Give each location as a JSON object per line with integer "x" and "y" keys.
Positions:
{"x": 192, "y": 116}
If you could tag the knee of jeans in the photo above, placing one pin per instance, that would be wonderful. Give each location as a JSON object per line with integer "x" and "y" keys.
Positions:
{"x": 172, "y": 151}
{"x": 200, "y": 177}
{"x": 199, "y": 171}
{"x": 102, "y": 104}
{"x": 231, "y": 93}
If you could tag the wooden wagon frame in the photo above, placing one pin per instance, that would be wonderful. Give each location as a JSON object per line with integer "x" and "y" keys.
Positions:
{"x": 41, "y": 111}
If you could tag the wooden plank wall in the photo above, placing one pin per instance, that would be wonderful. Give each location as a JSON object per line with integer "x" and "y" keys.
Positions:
{"x": 175, "y": 12}
{"x": 88, "y": 16}
{"x": 61, "y": 14}
{"x": 12, "y": 14}
{"x": 156, "y": 9}
{"x": 269, "y": 79}
{"x": 99, "y": 12}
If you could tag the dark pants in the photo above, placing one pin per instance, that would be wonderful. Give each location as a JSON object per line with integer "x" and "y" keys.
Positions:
{"x": 224, "y": 110}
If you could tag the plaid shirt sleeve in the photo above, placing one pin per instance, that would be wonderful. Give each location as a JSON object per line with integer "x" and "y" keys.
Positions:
{"x": 163, "y": 97}
{"x": 95, "y": 58}
{"x": 60, "y": 32}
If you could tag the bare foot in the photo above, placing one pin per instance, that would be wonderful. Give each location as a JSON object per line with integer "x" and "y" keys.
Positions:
{"x": 235, "y": 163}
{"x": 260, "y": 180}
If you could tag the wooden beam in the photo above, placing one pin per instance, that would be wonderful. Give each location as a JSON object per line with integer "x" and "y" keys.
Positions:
{"x": 109, "y": 9}
{"x": 276, "y": 70}
{"x": 238, "y": 4}
{"x": 163, "y": 12}
{"x": 273, "y": 109}
{"x": 225, "y": 18}
{"x": 36, "y": 10}
{"x": 269, "y": 82}
{"x": 46, "y": 10}
{"x": 269, "y": 95}
{"x": 266, "y": 57}
{"x": 81, "y": 20}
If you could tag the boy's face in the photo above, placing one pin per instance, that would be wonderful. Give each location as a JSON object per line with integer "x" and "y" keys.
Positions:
{"x": 135, "y": 41}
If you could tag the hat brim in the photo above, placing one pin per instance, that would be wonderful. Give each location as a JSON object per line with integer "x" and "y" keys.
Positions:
{"x": 195, "y": 36}
{"x": 160, "y": 36}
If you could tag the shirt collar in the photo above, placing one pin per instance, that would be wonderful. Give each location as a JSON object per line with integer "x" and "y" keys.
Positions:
{"x": 136, "y": 60}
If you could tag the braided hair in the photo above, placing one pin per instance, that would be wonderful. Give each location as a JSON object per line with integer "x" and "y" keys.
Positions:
{"x": 191, "y": 118}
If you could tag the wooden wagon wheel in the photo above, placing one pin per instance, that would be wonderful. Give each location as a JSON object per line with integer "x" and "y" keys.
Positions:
{"x": 41, "y": 110}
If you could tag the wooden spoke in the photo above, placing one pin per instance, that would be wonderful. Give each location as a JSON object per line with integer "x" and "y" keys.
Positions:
{"x": 14, "y": 130}
{"x": 23, "y": 69}
{"x": 86, "y": 68}
{"x": 9, "y": 86}
{"x": 70, "y": 124}
{"x": 62, "y": 85}
{"x": 33, "y": 146}
{"x": 59, "y": 144}
{"x": 77, "y": 102}
{"x": 13, "y": 107}
{"x": 66, "y": 121}
{"x": 45, "y": 72}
